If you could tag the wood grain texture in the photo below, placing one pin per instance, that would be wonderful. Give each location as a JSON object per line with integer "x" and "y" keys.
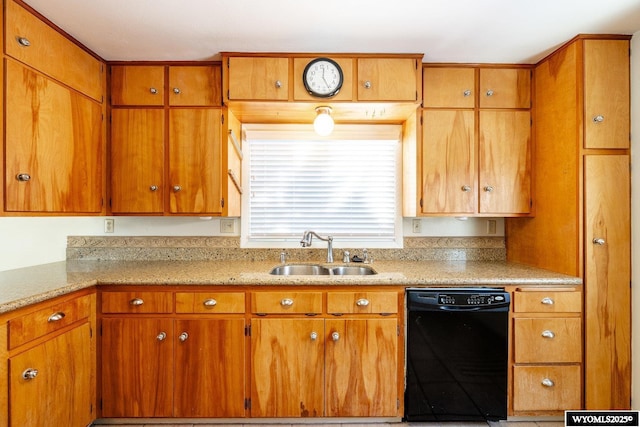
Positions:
{"x": 196, "y": 85}
{"x": 56, "y": 136}
{"x": 533, "y": 301}
{"x": 62, "y": 385}
{"x": 137, "y": 160}
{"x": 152, "y": 302}
{"x": 254, "y": 78}
{"x": 510, "y": 88}
{"x": 391, "y": 79}
{"x": 195, "y": 161}
{"x": 287, "y": 371}
{"x": 361, "y": 374}
{"x": 376, "y": 302}
{"x": 530, "y": 394}
{"x": 271, "y": 302}
{"x": 210, "y": 368}
{"x": 195, "y": 302}
{"x": 530, "y": 346}
{"x": 136, "y": 84}
{"x": 447, "y": 87}
{"x": 607, "y": 282}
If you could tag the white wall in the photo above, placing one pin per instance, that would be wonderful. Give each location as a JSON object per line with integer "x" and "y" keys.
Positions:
{"x": 635, "y": 216}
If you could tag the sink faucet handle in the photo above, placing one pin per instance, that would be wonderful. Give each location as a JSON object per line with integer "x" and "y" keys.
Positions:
{"x": 283, "y": 257}
{"x": 345, "y": 257}
{"x": 365, "y": 256}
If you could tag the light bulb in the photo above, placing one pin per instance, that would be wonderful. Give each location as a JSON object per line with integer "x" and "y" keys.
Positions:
{"x": 323, "y": 123}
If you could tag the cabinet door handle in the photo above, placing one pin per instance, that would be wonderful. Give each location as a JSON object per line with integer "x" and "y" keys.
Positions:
{"x": 488, "y": 188}
{"x": 23, "y": 177}
{"x": 29, "y": 374}
{"x": 548, "y": 334}
{"x": 466, "y": 188}
{"x": 161, "y": 336}
{"x": 23, "y": 41}
{"x": 599, "y": 241}
{"x": 176, "y": 188}
{"x": 367, "y": 84}
{"x": 313, "y": 335}
{"x": 210, "y": 302}
{"x": 278, "y": 84}
{"x": 547, "y": 382}
{"x": 490, "y": 92}
{"x": 153, "y": 187}
{"x": 56, "y": 317}
{"x": 546, "y": 301}
{"x": 335, "y": 336}
{"x": 183, "y": 336}
{"x": 466, "y": 93}
{"x": 598, "y": 119}
{"x": 286, "y": 302}
{"x": 153, "y": 91}
{"x": 362, "y": 302}
{"x": 176, "y": 90}
{"x": 136, "y": 302}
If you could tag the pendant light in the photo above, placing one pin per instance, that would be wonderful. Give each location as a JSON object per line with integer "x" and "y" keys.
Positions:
{"x": 323, "y": 123}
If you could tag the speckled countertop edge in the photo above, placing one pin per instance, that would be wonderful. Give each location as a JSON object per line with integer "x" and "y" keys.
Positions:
{"x": 25, "y": 286}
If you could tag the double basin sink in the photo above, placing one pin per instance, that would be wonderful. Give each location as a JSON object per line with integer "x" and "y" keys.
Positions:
{"x": 321, "y": 270}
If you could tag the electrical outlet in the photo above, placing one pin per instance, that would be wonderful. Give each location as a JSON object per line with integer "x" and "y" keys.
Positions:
{"x": 417, "y": 225}
{"x": 491, "y": 226}
{"x": 227, "y": 226}
{"x": 109, "y": 225}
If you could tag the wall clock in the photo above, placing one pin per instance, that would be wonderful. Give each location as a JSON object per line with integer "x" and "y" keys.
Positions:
{"x": 322, "y": 77}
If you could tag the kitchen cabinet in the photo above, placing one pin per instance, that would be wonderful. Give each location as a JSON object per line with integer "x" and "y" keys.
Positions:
{"x": 474, "y": 161}
{"x": 547, "y": 350}
{"x": 582, "y": 222}
{"x": 184, "y": 134}
{"x": 157, "y": 362}
{"x": 505, "y": 88}
{"x": 50, "y": 353}
{"x": 257, "y": 78}
{"x": 325, "y": 366}
{"x": 388, "y": 79}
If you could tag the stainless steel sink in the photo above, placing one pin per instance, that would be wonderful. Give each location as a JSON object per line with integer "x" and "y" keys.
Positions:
{"x": 300, "y": 269}
{"x": 320, "y": 270}
{"x": 351, "y": 270}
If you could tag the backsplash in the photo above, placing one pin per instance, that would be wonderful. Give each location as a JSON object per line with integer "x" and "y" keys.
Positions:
{"x": 180, "y": 248}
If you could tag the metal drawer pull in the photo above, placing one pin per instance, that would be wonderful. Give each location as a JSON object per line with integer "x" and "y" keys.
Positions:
{"x": 153, "y": 187}
{"x": 466, "y": 93}
{"x": 598, "y": 119}
{"x": 23, "y": 41}
{"x": 286, "y": 302}
{"x": 598, "y": 241}
{"x": 367, "y": 84}
{"x": 490, "y": 92}
{"x": 136, "y": 301}
{"x": 161, "y": 336}
{"x": 362, "y": 302}
{"x": 56, "y": 316}
{"x": 30, "y": 374}
{"x": 548, "y": 334}
{"x": 466, "y": 188}
{"x": 210, "y": 302}
{"x": 23, "y": 177}
{"x": 546, "y": 301}
{"x": 183, "y": 336}
{"x": 548, "y": 382}
{"x": 335, "y": 336}
{"x": 153, "y": 91}
{"x": 176, "y": 90}
{"x": 313, "y": 336}
{"x": 278, "y": 84}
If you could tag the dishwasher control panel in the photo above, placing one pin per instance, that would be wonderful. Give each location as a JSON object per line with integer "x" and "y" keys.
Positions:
{"x": 462, "y": 299}
{"x": 457, "y": 298}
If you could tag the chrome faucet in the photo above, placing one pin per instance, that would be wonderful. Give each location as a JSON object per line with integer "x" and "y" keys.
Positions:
{"x": 308, "y": 236}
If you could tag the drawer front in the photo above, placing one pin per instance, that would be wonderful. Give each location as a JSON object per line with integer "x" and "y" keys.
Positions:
{"x": 546, "y": 388}
{"x": 547, "y": 301}
{"x": 544, "y": 340}
{"x": 137, "y": 302}
{"x": 31, "y": 41}
{"x": 209, "y": 302}
{"x": 362, "y": 302}
{"x": 286, "y": 302}
{"x": 39, "y": 323}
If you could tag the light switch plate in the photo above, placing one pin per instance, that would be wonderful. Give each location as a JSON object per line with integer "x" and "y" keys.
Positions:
{"x": 227, "y": 226}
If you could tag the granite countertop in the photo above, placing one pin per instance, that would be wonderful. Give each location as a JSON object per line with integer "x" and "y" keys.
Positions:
{"x": 30, "y": 285}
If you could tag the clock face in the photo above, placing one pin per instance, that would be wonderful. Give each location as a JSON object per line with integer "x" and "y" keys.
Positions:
{"x": 322, "y": 77}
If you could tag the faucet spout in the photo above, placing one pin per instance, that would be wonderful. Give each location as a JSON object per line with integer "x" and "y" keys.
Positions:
{"x": 307, "y": 237}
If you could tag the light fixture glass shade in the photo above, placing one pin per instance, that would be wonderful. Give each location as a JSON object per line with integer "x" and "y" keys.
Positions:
{"x": 323, "y": 123}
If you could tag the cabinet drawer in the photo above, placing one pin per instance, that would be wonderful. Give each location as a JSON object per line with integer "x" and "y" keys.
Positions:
{"x": 362, "y": 302}
{"x": 286, "y": 302}
{"x": 210, "y": 302}
{"x": 137, "y": 302}
{"x": 39, "y": 323}
{"x": 31, "y": 41}
{"x": 545, "y": 340}
{"x": 547, "y": 301}
{"x": 546, "y": 388}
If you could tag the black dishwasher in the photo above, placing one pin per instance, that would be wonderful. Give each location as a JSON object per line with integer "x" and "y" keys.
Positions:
{"x": 457, "y": 350}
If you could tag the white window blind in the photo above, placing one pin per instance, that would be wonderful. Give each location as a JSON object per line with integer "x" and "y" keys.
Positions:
{"x": 346, "y": 186}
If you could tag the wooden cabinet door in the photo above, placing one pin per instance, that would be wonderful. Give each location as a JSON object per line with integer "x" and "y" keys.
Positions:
{"x": 449, "y": 183}
{"x": 387, "y": 79}
{"x": 254, "y": 78}
{"x": 287, "y": 367}
{"x": 362, "y": 368}
{"x": 137, "y": 85}
{"x": 60, "y": 392}
{"x": 137, "y": 160}
{"x": 448, "y": 87}
{"x": 607, "y": 277}
{"x": 505, "y": 88}
{"x": 137, "y": 367}
{"x": 606, "y": 94}
{"x": 54, "y": 142}
{"x": 195, "y": 85}
{"x": 195, "y": 161}
{"x": 209, "y": 375}
{"x": 505, "y": 162}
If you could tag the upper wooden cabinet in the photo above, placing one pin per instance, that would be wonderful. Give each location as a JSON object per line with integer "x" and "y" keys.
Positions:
{"x": 505, "y": 88}
{"x": 137, "y": 85}
{"x": 388, "y": 79}
{"x": 195, "y": 85}
{"x": 258, "y": 78}
{"x": 606, "y": 94}
{"x": 32, "y": 42}
{"x": 449, "y": 87}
